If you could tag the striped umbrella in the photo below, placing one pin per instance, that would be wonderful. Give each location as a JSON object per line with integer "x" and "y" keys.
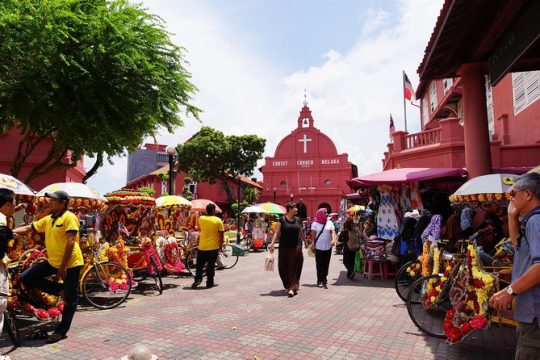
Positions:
{"x": 271, "y": 208}
{"x": 355, "y": 209}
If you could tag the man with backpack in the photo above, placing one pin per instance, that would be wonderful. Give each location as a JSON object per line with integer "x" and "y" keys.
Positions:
{"x": 524, "y": 208}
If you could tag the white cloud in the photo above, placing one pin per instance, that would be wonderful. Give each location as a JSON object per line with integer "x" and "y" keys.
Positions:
{"x": 351, "y": 94}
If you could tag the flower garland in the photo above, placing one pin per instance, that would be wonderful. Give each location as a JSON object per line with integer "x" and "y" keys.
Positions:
{"x": 469, "y": 312}
{"x": 414, "y": 269}
{"x": 33, "y": 301}
{"x": 425, "y": 259}
{"x": 148, "y": 249}
{"x": 436, "y": 261}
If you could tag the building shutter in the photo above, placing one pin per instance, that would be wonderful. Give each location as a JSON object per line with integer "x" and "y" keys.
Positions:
{"x": 526, "y": 89}
{"x": 489, "y": 105}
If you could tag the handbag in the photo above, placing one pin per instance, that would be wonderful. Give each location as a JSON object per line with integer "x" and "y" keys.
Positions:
{"x": 269, "y": 262}
{"x": 353, "y": 242}
{"x": 343, "y": 236}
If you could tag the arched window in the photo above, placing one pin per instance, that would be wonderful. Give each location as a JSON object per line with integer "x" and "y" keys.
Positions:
{"x": 327, "y": 182}
{"x": 283, "y": 183}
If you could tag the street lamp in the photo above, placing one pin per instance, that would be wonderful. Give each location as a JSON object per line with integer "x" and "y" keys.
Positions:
{"x": 274, "y": 195}
{"x": 238, "y": 210}
{"x": 171, "y": 151}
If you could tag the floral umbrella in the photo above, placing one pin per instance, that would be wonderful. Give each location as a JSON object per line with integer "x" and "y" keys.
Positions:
{"x": 199, "y": 205}
{"x": 253, "y": 210}
{"x": 75, "y": 190}
{"x": 272, "y": 208}
{"x": 484, "y": 188}
{"x": 15, "y": 185}
{"x": 83, "y": 197}
{"x": 173, "y": 201}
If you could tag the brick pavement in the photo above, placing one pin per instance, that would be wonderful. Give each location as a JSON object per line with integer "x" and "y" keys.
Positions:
{"x": 248, "y": 315}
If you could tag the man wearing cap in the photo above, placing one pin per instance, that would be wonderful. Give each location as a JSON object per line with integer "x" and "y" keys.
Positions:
{"x": 65, "y": 260}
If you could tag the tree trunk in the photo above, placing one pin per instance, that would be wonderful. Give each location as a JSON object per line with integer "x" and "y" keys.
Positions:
{"x": 94, "y": 169}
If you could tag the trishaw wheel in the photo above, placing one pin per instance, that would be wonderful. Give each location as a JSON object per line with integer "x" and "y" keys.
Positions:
{"x": 10, "y": 325}
{"x": 404, "y": 280}
{"x": 227, "y": 258}
{"x": 429, "y": 320}
{"x": 157, "y": 275}
{"x": 191, "y": 262}
{"x": 106, "y": 285}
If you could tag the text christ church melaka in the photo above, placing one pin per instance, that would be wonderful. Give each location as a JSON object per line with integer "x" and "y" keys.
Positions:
{"x": 307, "y": 166}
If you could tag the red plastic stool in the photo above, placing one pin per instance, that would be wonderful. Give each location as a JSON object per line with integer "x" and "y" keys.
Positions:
{"x": 369, "y": 268}
{"x": 390, "y": 269}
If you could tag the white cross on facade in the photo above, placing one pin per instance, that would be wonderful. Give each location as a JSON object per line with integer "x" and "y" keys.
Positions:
{"x": 305, "y": 140}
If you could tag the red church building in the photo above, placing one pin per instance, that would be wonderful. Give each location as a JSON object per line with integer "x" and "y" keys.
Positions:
{"x": 306, "y": 165}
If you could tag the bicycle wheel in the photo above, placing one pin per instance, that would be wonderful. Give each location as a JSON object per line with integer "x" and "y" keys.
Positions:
{"x": 10, "y": 325}
{"x": 429, "y": 320}
{"x": 404, "y": 280}
{"x": 191, "y": 262}
{"x": 227, "y": 258}
{"x": 106, "y": 285}
{"x": 157, "y": 275}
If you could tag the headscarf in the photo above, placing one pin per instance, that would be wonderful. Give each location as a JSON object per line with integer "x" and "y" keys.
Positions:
{"x": 466, "y": 218}
{"x": 320, "y": 216}
{"x": 433, "y": 231}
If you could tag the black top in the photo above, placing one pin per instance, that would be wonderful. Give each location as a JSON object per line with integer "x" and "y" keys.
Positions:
{"x": 5, "y": 236}
{"x": 290, "y": 233}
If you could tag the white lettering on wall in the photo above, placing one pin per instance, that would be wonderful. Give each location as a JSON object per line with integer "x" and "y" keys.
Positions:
{"x": 329, "y": 161}
{"x": 279, "y": 163}
{"x": 304, "y": 163}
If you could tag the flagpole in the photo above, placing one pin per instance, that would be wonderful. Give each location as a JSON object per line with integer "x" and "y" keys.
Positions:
{"x": 404, "y": 103}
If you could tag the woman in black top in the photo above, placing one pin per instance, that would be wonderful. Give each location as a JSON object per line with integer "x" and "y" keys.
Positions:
{"x": 290, "y": 257}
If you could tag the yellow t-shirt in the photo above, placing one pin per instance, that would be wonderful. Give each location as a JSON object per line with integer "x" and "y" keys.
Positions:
{"x": 56, "y": 238}
{"x": 210, "y": 227}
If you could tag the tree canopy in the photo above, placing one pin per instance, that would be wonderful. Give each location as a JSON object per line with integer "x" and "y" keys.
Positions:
{"x": 93, "y": 76}
{"x": 211, "y": 155}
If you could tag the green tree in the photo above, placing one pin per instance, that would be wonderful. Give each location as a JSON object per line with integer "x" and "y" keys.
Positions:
{"x": 93, "y": 77}
{"x": 210, "y": 156}
{"x": 251, "y": 195}
{"x": 147, "y": 190}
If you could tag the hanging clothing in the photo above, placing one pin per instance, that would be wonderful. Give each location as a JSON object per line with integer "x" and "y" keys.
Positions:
{"x": 387, "y": 221}
{"x": 432, "y": 232}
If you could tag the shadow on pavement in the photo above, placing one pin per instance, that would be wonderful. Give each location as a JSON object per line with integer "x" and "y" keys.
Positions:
{"x": 277, "y": 293}
{"x": 360, "y": 281}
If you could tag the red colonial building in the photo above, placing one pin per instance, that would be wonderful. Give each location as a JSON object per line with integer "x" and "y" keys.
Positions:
{"x": 306, "y": 165}
{"x": 479, "y": 91}
{"x": 9, "y": 142}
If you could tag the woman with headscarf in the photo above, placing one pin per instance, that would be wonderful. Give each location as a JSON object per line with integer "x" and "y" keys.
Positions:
{"x": 324, "y": 238}
{"x": 290, "y": 257}
{"x": 432, "y": 232}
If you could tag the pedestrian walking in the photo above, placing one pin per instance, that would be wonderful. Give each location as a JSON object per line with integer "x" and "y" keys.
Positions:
{"x": 324, "y": 235}
{"x": 525, "y": 286}
{"x": 210, "y": 242}
{"x": 290, "y": 256}
{"x": 65, "y": 259}
{"x": 7, "y": 207}
{"x": 351, "y": 247}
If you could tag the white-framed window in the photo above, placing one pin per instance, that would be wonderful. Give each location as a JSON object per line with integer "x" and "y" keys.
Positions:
{"x": 433, "y": 95}
{"x": 425, "y": 111}
{"x": 192, "y": 187}
{"x": 447, "y": 84}
{"x": 489, "y": 108}
{"x": 526, "y": 89}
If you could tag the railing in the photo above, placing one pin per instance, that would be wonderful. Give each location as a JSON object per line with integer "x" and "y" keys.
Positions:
{"x": 428, "y": 137}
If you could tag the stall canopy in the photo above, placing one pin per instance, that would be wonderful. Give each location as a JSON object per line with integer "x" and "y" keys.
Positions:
{"x": 405, "y": 175}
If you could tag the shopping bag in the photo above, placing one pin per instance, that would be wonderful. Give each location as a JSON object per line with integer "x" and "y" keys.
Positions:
{"x": 269, "y": 262}
{"x": 358, "y": 262}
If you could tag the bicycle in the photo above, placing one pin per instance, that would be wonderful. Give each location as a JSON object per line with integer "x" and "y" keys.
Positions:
{"x": 10, "y": 323}
{"x": 104, "y": 284}
{"x": 142, "y": 268}
{"x": 225, "y": 255}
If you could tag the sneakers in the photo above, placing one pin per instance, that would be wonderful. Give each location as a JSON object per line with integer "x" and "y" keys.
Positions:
{"x": 55, "y": 337}
{"x": 211, "y": 285}
{"x": 325, "y": 285}
{"x": 195, "y": 284}
{"x": 290, "y": 293}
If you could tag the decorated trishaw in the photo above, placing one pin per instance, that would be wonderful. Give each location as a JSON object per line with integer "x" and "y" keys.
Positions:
{"x": 450, "y": 299}
{"x": 127, "y": 223}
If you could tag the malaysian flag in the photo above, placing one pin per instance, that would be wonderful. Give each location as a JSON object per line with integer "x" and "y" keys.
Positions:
{"x": 408, "y": 90}
{"x": 392, "y": 128}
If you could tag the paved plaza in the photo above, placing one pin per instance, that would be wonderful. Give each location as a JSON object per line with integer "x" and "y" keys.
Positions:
{"x": 248, "y": 316}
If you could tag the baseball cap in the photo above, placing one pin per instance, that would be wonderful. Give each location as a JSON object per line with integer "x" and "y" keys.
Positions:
{"x": 60, "y": 195}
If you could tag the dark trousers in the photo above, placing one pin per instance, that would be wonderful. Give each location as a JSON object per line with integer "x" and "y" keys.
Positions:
{"x": 348, "y": 260}
{"x": 290, "y": 262}
{"x": 208, "y": 258}
{"x": 322, "y": 262}
{"x": 528, "y": 341}
{"x": 34, "y": 277}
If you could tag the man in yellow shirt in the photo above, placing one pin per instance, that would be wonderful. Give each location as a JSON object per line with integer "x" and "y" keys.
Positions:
{"x": 210, "y": 242}
{"x": 65, "y": 259}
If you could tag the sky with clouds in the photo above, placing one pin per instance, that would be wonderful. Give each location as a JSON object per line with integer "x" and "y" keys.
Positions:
{"x": 252, "y": 60}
